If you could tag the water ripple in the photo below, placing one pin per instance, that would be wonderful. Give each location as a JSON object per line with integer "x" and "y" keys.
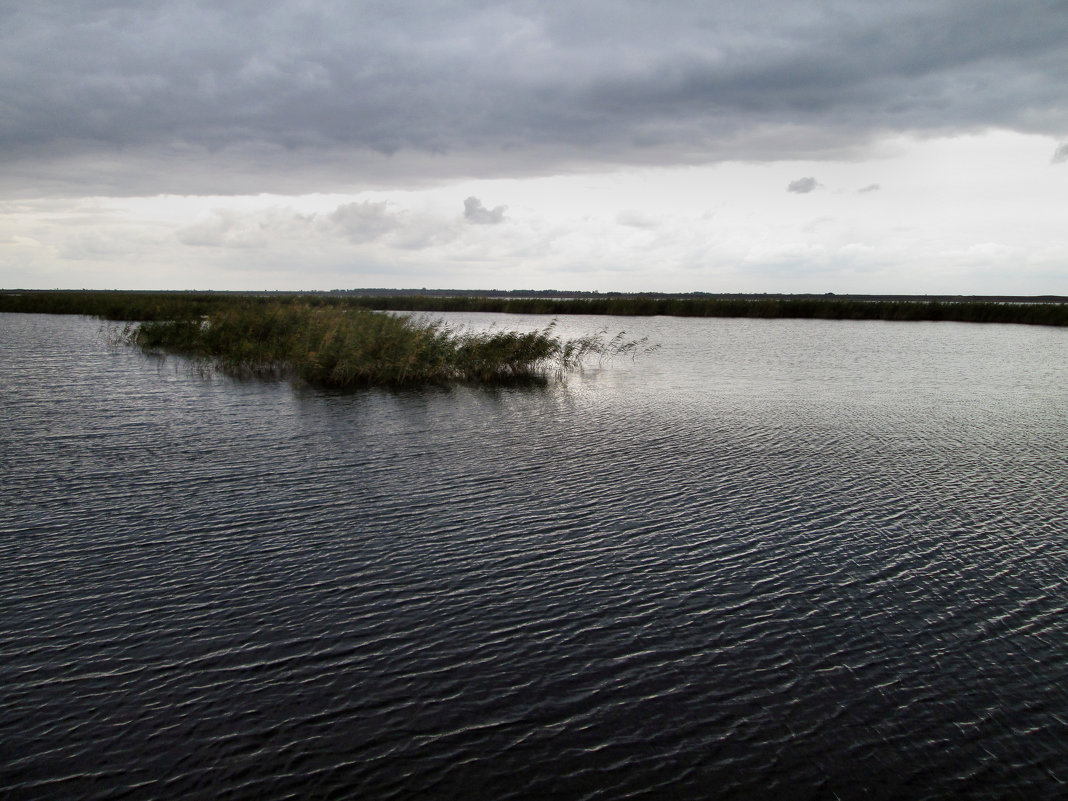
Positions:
{"x": 751, "y": 567}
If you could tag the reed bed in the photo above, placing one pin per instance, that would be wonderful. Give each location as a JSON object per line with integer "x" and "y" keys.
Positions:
{"x": 843, "y": 308}
{"x": 157, "y": 306}
{"x": 340, "y": 347}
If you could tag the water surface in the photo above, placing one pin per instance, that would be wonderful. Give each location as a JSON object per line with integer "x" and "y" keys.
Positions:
{"x": 816, "y": 557}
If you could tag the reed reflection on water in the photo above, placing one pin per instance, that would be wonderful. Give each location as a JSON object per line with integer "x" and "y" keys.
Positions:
{"x": 804, "y": 556}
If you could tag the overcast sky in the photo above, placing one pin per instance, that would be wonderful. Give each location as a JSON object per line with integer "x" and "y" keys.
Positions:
{"x": 918, "y": 146}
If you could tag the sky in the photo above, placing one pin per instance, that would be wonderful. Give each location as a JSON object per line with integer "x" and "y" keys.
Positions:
{"x": 912, "y": 147}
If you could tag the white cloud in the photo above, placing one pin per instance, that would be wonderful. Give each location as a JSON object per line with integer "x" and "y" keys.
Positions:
{"x": 364, "y": 222}
{"x": 636, "y": 219}
{"x": 224, "y": 229}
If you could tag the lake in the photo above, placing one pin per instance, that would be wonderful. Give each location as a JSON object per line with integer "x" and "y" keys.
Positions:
{"x": 816, "y": 558}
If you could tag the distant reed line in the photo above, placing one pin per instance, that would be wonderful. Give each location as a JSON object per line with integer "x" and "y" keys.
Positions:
{"x": 770, "y": 308}
{"x": 158, "y": 306}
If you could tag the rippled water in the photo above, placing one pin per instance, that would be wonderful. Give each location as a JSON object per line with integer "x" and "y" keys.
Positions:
{"x": 804, "y": 557}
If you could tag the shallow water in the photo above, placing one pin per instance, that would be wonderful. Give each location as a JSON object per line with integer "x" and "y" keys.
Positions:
{"x": 816, "y": 557}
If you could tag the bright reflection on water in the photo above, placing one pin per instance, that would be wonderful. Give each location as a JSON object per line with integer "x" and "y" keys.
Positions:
{"x": 773, "y": 556}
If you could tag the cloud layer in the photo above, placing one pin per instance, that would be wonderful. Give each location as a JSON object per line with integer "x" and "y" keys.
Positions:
{"x": 207, "y": 98}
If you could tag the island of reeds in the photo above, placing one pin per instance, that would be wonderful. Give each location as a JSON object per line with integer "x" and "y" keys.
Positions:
{"x": 344, "y": 347}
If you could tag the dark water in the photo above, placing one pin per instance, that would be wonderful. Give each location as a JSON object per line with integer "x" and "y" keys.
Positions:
{"x": 800, "y": 558}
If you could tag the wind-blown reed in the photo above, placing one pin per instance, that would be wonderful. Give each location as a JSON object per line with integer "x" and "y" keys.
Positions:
{"x": 333, "y": 346}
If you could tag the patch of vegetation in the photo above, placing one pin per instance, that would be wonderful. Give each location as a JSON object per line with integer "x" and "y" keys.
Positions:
{"x": 331, "y": 345}
{"x": 115, "y": 305}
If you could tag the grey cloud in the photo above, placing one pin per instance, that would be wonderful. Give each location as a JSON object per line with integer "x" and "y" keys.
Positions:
{"x": 802, "y": 186}
{"x": 635, "y": 219}
{"x": 424, "y": 233}
{"x": 869, "y": 188}
{"x": 1061, "y": 153}
{"x": 475, "y": 212}
{"x": 224, "y": 229}
{"x": 137, "y": 97}
{"x": 364, "y": 222}
{"x": 360, "y": 223}
{"x": 103, "y": 243}
{"x": 228, "y": 228}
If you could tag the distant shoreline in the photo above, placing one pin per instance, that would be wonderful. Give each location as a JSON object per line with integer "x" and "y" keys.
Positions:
{"x": 1051, "y": 310}
{"x": 521, "y": 294}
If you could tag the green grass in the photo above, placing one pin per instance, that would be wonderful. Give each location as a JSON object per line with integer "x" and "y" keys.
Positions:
{"x": 336, "y": 346}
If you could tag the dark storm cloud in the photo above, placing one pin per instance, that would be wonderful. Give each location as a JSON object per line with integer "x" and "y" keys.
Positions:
{"x": 802, "y": 186}
{"x": 288, "y": 96}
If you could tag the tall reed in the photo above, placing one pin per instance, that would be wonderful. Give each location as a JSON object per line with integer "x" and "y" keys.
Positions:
{"x": 334, "y": 346}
